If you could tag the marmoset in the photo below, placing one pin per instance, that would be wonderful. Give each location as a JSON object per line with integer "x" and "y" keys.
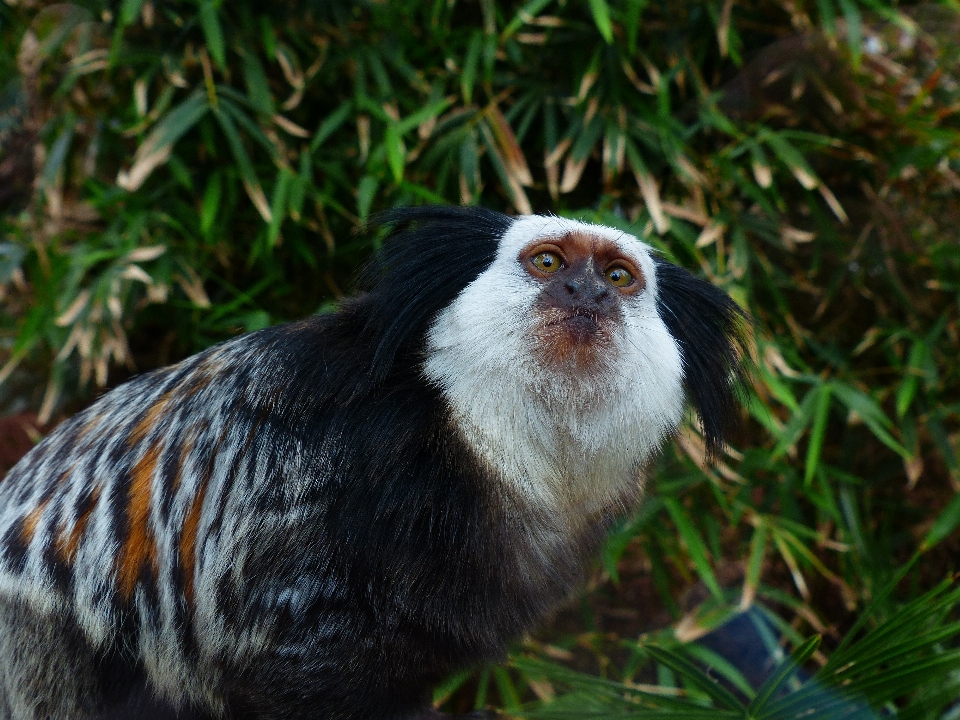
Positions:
{"x": 324, "y": 519}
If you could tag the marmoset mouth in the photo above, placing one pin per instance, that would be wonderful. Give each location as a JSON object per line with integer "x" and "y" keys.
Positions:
{"x": 581, "y": 328}
{"x": 573, "y": 338}
{"x": 578, "y": 321}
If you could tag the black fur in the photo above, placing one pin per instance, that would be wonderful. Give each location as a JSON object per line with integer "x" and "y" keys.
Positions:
{"x": 433, "y": 253}
{"x": 407, "y": 566}
{"x": 708, "y": 324}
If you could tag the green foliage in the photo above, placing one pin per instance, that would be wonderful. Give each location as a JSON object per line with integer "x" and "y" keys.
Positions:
{"x": 898, "y": 660}
{"x": 176, "y": 171}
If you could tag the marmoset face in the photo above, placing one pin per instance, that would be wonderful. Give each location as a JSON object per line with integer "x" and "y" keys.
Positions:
{"x": 585, "y": 279}
{"x": 555, "y": 362}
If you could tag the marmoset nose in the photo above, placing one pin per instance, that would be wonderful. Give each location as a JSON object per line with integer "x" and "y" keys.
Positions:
{"x": 587, "y": 288}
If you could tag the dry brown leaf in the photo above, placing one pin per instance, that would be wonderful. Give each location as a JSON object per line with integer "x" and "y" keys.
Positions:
{"x": 145, "y": 254}
{"x": 689, "y": 628}
{"x": 552, "y": 158}
{"x": 834, "y": 204}
{"x": 686, "y": 212}
{"x": 723, "y": 27}
{"x": 913, "y": 467}
{"x": 287, "y": 66}
{"x": 651, "y": 198}
{"x": 363, "y": 135}
{"x": 762, "y": 174}
{"x": 643, "y": 87}
{"x": 73, "y": 312}
{"x": 259, "y": 200}
{"x": 808, "y": 181}
{"x": 510, "y": 151}
{"x": 792, "y": 235}
{"x": 774, "y": 360}
{"x": 710, "y": 234}
{"x": 572, "y": 172}
{"x": 145, "y": 162}
{"x": 193, "y": 287}
{"x": 290, "y": 127}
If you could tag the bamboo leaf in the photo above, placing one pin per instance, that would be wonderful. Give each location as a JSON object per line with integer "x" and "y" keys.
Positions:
{"x": 213, "y": 32}
{"x": 58, "y": 153}
{"x": 820, "y": 415}
{"x": 791, "y": 157}
{"x": 530, "y": 10}
{"x": 695, "y": 546}
{"x": 601, "y": 16}
{"x": 129, "y": 11}
{"x": 278, "y": 205}
{"x": 716, "y": 662}
{"x": 758, "y": 552}
{"x": 911, "y": 381}
{"x": 211, "y": 203}
{"x": 258, "y": 89}
{"x": 272, "y": 145}
{"x": 396, "y": 152}
{"x": 501, "y": 165}
{"x": 854, "y": 21}
{"x": 513, "y": 158}
{"x": 618, "y": 696}
{"x": 508, "y": 692}
{"x": 787, "y": 554}
{"x": 695, "y": 676}
{"x": 828, "y": 15}
{"x": 298, "y": 189}
{"x": 869, "y": 411}
{"x": 786, "y": 670}
{"x": 366, "y": 191}
{"x": 248, "y": 175}
{"x": 469, "y": 166}
{"x": 156, "y": 149}
{"x": 798, "y": 422}
{"x": 945, "y": 525}
{"x": 450, "y": 686}
{"x": 331, "y": 124}
{"x": 425, "y": 114}
{"x": 470, "y": 64}
{"x": 632, "y": 22}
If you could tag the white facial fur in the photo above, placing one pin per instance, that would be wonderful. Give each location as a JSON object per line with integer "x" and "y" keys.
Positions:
{"x": 568, "y": 444}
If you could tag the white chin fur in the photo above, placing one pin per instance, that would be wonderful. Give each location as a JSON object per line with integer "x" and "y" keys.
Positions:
{"x": 561, "y": 442}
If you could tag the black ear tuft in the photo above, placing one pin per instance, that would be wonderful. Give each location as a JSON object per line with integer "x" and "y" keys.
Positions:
{"x": 709, "y": 327}
{"x": 430, "y": 255}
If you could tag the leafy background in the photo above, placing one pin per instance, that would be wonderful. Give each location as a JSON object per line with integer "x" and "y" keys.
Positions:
{"x": 173, "y": 172}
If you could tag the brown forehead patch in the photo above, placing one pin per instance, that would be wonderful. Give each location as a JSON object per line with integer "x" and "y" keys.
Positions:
{"x": 578, "y": 247}
{"x": 139, "y": 547}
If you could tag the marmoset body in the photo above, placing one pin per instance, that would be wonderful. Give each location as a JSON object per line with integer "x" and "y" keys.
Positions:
{"x": 323, "y": 519}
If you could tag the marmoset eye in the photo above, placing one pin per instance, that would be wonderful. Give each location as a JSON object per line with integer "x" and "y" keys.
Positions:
{"x": 619, "y": 276}
{"x": 548, "y": 262}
